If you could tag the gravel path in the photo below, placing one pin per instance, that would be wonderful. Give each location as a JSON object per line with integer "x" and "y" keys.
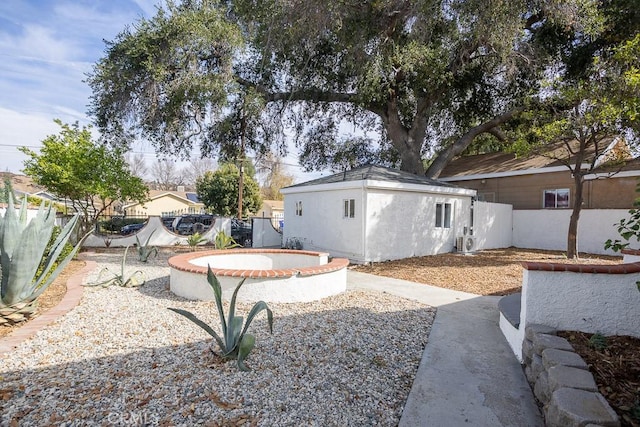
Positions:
{"x": 122, "y": 358}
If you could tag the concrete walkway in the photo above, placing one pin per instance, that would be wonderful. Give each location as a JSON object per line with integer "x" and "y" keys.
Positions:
{"x": 468, "y": 375}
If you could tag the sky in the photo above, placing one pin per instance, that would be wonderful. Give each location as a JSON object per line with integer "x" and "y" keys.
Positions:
{"x": 46, "y": 49}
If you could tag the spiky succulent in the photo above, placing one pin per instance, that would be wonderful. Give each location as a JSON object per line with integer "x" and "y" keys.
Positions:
{"x": 22, "y": 248}
{"x": 224, "y": 241}
{"x": 131, "y": 281}
{"x": 235, "y": 343}
{"x": 145, "y": 251}
{"x": 195, "y": 239}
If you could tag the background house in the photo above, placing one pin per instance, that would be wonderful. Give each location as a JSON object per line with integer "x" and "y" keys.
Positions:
{"x": 539, "y": 182}
{"x": 166, "y": 203}
{"x": 374, "y": 213}
{"x": 273, "y": 209}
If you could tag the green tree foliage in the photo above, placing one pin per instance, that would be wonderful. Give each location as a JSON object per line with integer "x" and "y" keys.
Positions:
{"x": 165, "y": 77}
{"x": 219, "y": 191}
{"x": 91, "y": 177}
{"x": 587, "y": 106}
{"x": 421, "y": 76}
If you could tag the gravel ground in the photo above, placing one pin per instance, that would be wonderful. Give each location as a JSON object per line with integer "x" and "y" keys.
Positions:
{"x": 122, "y": 358}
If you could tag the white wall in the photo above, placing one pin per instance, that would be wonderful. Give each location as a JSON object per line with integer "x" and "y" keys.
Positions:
{"x": 604, "y": 303}
{"x": 547, "y": 229}
{"x": 492, "y": 225}
{"x": 264, "y": 235}
{"x": 161, "y": 236}
{"x": 31, "y": 213}
{"x": 321, "y": 226}
{"x": 401, "y": 224}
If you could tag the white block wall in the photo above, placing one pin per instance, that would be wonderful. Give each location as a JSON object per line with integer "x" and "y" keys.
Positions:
{"x": 604, "y": 303}
{"x": 547, "y": 229}
{"x": 492, "y": 225}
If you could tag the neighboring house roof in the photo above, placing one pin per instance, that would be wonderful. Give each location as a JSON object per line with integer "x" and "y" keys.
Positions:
{"x": 378, "y": 173}
{"x": 22, "y": 184}
{"x": 274, "y": 204}
{"x": 187, "y": 197}
{"x": 508, "y": 164}
{"x": 192, "y": 197}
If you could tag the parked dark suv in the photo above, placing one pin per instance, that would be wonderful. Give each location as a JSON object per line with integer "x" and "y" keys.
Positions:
{"x": 189, "y": 224}
{"x": 242, "y": 232}
{"x": 131, "y": 228}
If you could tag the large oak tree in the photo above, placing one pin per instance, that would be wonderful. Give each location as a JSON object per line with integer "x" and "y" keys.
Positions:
{"x": 421, "y": 76}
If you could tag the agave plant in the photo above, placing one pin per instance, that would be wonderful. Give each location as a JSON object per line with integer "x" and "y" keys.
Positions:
{"x": 25, "y": 274}
{"x": 195, "y": 239}
{"x": 132, "y": 281}
{"x": 145, "y": 251}
{"x": 224, "y": 241}
{"x": 234, "y": 343}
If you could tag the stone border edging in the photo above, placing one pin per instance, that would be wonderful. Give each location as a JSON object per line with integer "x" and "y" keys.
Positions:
{"x": 69, "y": 301}
{"x": 562, "y": 382}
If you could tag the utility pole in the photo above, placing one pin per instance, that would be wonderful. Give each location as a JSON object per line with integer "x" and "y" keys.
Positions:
{"x": 243, "y": 126}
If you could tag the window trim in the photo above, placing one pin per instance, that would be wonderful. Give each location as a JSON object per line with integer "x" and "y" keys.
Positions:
{"x": 299, "y": 208}
{"x": 348, "y": 208}
{"x": 444, "y": 215}
{"x": 555, "y": 192}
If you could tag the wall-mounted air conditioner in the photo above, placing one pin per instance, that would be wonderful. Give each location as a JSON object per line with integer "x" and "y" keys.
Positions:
{"x": 465, "y": 244}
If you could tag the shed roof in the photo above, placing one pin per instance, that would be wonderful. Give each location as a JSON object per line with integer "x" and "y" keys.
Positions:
{"x": 373, "y": 172}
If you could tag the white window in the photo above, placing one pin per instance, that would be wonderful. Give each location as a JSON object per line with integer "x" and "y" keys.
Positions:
{"x": 349, "y": 208}
{"x": 443, "y": 215}
{"x": 558, "y": 198}
{"x": 299, "y": 208}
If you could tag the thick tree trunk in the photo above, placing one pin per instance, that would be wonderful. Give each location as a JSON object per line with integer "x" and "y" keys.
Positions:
{"x": 572, "y": 234}
{"x": 408, "y": 142}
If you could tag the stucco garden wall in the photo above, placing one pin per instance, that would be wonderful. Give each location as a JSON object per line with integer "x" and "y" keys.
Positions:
{"x": 547, "y": 229}
{"x": 577, "y": 297}
{"x": 264, "y": 235}
{"x": 161, "y": 236}
{"x": 492, "y": 225}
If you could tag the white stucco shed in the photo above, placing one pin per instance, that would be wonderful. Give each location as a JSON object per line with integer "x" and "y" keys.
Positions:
{"x": 373, "y": 213}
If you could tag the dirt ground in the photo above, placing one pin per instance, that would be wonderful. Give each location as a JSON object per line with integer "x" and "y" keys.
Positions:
{"x": 616, "y": 365}
{"x": 491, "y": 272}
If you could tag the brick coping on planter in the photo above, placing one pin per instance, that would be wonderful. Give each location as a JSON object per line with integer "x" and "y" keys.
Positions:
{"x": 629, "y": 268}
{"x": 69, "y": 301}
{"x": 181, "y": 262}
{"x": 635, "y": 252}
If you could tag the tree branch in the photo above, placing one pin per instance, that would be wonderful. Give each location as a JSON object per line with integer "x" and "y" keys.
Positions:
{"x": 445, "y": 156}
{"x": 299, "y": 95}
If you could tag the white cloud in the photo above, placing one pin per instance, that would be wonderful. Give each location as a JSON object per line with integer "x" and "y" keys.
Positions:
{"x": 19, "y": 129}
